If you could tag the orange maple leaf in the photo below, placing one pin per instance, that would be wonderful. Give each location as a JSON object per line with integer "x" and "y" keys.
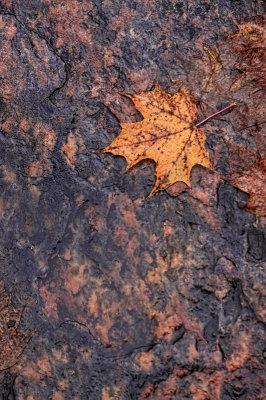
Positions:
{"x": 167, "y": 134}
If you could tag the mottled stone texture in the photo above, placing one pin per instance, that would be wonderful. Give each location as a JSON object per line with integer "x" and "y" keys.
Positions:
{"x": 125, "y": 298}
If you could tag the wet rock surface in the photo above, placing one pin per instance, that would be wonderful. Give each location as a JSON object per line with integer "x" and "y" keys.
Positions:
{"x": 125, "y": 298}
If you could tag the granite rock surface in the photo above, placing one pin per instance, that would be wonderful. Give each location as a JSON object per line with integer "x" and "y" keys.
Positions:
{"x": 124, "y": 298}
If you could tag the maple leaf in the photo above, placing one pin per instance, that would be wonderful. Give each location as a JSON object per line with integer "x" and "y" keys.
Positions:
{"x": 167, "y": 134}
{"x": 247, "y": 173}
{"x": 12, "y": 342}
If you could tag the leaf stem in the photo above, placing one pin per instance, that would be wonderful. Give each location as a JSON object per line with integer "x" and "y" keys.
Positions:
{"x": 218, "y": 112}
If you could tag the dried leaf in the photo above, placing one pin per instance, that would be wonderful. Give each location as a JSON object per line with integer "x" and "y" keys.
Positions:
{"x": 214, "y": 57}
{"x": 167, "y": 134}
{"x": 235, "y": 70}
{"x": 247, "y": 173}
{"x": 215, "y": 67}
{"x": 249, "y": 42}
{"x": 12, "y": 342}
